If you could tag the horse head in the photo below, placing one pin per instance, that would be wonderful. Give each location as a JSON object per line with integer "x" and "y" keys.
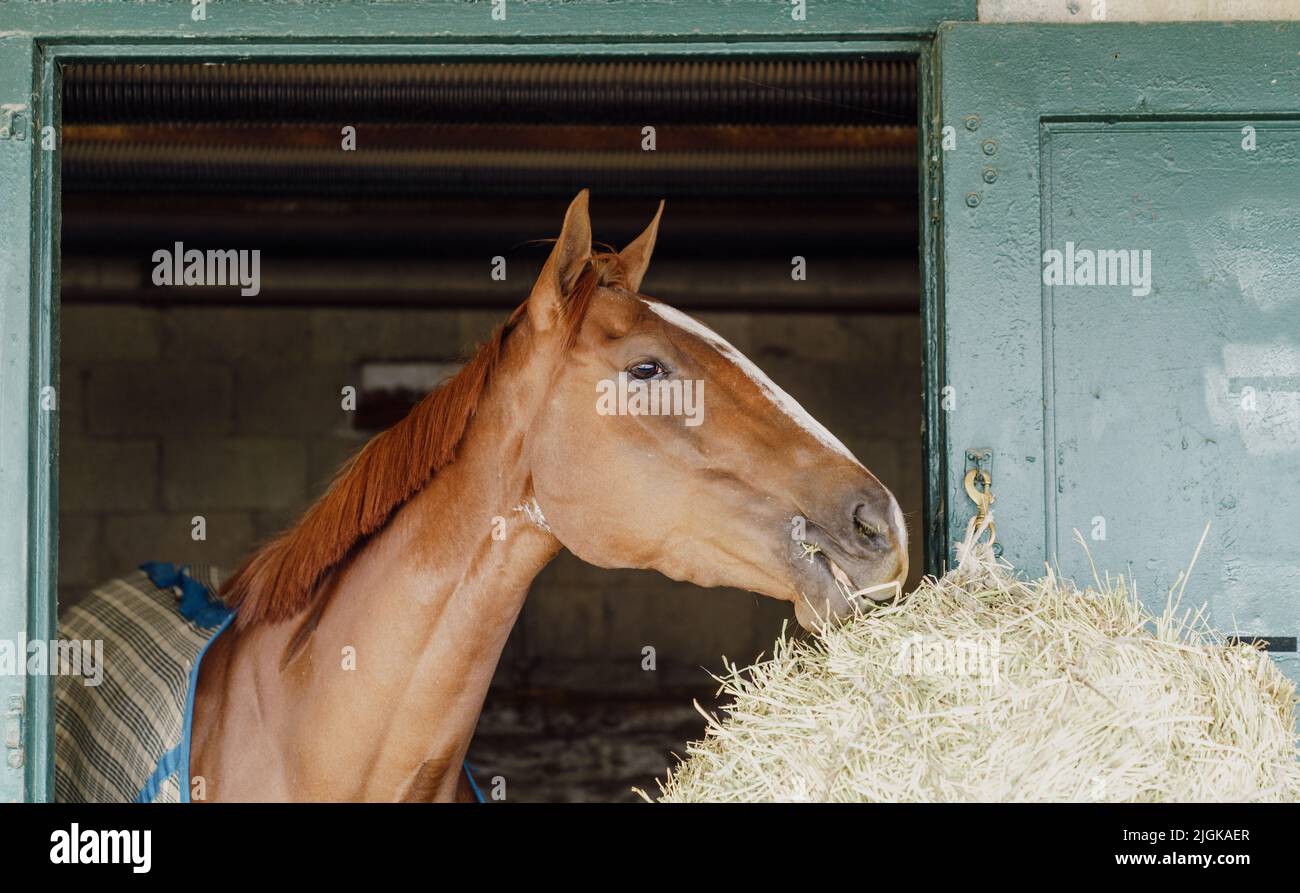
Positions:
{"x": 662, "y": 446}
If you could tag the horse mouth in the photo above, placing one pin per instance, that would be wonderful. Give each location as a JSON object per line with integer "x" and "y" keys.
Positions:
{"x": 881, "y": 592}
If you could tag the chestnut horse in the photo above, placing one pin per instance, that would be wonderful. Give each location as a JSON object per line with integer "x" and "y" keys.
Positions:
{"x": 415, "y": 563}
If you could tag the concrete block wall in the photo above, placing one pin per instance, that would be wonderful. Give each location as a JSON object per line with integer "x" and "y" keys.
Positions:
{"x": 234, "y": 414}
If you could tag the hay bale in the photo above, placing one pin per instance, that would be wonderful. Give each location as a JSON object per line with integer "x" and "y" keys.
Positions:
{"x": 983, "y": 686}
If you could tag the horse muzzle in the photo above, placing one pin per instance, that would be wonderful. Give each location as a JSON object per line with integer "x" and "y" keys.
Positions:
{"x": 840, "y": 570}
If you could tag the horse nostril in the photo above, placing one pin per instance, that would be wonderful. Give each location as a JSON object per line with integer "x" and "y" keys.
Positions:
{"x": 868, "y": 527}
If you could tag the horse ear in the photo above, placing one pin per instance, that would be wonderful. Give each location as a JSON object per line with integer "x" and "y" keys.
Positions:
{"x": 636, "y": 256}
{"x": 572, "y": 250}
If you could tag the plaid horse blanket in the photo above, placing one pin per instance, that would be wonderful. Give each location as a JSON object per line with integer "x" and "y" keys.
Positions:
{"x": 128, "y": 738}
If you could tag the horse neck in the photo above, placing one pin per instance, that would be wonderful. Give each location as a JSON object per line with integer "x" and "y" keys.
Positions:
{"x": 425, "y": 609}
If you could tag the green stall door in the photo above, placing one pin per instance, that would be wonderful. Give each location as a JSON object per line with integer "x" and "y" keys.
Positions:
{"x": 1120, "y": 226}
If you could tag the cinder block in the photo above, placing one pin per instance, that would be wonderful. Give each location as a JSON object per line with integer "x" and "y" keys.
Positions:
{"x": 877, "y": 410}
{"x": 291, "y": 400}
{"x": 268, "y": 525}
{"x": 325, "y": 456}
{"x": 158, "y": 398}
{"x": 882, "y": 456}
{"x": 211, "y": 474}
{"x": 512, "y": 669}
{"x": 810, "y": 383}
{"x": 800, "y": 336}
{"x": 902, "y": 330}
{"x": 107, "y": 475}
{"x": 612, "y": 615}
{"x": 857, "y": 340}
{"x": 350, "y": 336}
{"x": 689, "y": 628}
{"x": 629, "y": 623}
{"x": 563, "y": 622}
{"x": 72, "y": 400}
{"x": 92, "y": 333}
{"x": 80, "y": 549}
{"x": 132, "y": 539}
{"x": 475, "y": 325}
{"x": 238, "y": 335}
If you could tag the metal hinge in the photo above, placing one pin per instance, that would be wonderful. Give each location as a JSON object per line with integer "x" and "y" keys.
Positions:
{"x": 14, "y": 719}
{"x": 13, "y": 121}
{"x": 981, "y": 460}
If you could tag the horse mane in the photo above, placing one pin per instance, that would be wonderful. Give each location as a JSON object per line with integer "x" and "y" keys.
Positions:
{"x": 285, "y": 575}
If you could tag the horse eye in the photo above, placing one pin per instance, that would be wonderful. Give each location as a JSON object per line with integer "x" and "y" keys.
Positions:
{"x": 646, "y": 369}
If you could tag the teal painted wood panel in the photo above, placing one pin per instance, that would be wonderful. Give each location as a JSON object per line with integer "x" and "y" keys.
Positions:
{"x": 408, "y": 20}
{"x": 1182, "y": 406}
{"x": 1099, "y": 402}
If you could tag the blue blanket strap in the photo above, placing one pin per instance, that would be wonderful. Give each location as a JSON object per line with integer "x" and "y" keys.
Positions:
{"x": 198, "y": 604}
{"x": 473, "y": 785}
{"x": 202, "y": 608}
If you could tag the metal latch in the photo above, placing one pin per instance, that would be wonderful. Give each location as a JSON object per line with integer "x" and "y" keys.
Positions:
{"x": 13, "y": 121}
{"x": 14, "y": 731}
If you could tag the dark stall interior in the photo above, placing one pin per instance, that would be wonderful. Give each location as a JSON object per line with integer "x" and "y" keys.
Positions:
{"x": 381, "y": 198}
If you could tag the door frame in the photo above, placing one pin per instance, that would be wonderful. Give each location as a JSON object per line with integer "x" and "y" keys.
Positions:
{"x": 39, "y": 38}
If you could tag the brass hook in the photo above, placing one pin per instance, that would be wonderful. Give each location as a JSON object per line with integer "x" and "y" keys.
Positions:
{"x": 983, "y": 499}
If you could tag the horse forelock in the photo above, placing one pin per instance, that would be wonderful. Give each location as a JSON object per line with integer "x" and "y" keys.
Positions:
{"x": 286, "y": 574}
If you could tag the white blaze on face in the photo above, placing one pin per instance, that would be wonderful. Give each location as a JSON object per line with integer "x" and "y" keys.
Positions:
{"x": 779, "y": 398}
